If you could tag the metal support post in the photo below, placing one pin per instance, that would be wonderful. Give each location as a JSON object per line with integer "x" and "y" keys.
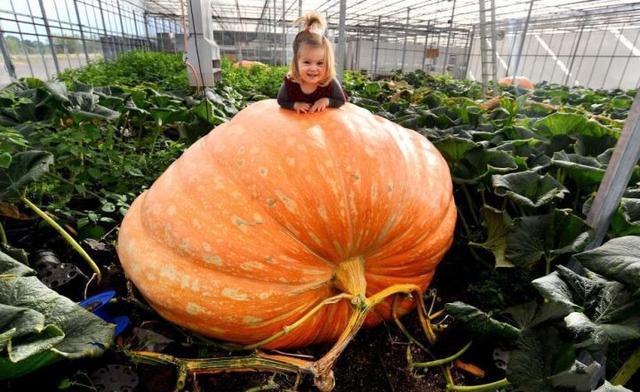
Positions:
{"x": 84, "y": 42}
{"x": 494, "y": 49}
{"x": 146, "y": 26}
{"x": 524, "y": 35}
{"x": 446, "y": 51}
{"x": 426, "y": 45}
{"x": 468, "y": 45}
{"x": 624, "y": 71}
{"x": 615, "y": 48}
{"x": 122, "y": 26}
{"x": 404, "y": 46}
{"x": 342, "y": 41}
{"x": 484, "y": 61}
{"x": 24, "y": 49}
{"x": 8, "y": 64}
{"x": 624, "y": 159}
{"x": 284, "y": 33}
{"x": 375, "y": 66}
{"x": 48, "y": 28}
{"x": 595, "y": 60}
{"x": 573, "y": 54}
{"x": 273, "y": 36}
{"x": 555, "y": 65}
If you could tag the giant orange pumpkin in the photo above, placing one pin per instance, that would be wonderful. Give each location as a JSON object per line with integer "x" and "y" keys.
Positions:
{"x": 243, "y": 234}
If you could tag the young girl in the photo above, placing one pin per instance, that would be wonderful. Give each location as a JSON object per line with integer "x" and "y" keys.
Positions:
{"x": 310, "y": 86}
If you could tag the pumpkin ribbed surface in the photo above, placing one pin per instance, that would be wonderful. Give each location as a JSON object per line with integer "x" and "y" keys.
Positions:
{"x": 241, "y": 236}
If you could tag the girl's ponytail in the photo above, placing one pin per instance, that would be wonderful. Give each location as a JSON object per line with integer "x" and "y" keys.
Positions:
{"x": 313, "y": 22}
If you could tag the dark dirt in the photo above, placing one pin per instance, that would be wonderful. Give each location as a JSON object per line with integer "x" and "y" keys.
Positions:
{"x": 376, "y": 361}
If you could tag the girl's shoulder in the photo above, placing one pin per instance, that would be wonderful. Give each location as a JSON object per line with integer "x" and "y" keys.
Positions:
{"x": 288, "y": 79}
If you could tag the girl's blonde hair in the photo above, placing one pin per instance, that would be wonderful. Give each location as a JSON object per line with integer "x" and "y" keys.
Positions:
{"x": 313, "y": 26}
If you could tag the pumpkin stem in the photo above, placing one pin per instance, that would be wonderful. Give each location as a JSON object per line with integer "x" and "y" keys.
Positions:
{"x": 322, "y": 368}
{"x": 349, "y": 276}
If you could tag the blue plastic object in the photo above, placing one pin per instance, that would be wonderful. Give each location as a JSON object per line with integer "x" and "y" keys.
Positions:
{"x": 97, "y": 305}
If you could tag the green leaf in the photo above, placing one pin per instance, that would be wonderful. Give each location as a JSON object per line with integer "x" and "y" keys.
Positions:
{"x": 554, "y": 289}
{"x": 618, "y": 259}
{"x": 58, "y": 90}
{"x": 548, "y": 236}
{"x": 498, "y": 226}
{"x": 626, "y": 219}
{"x": 528, "y": 188}
{"x": 543, "y": 362}
{"x": 480, "y": 324}
{"x": 531, "y": 314}
{"x": 572, "y": 124}
{"x": 603, "y": 311}
{"x": 586, "y": 171}
{"x": 26, "y": 168}
{"x": 478, "y": 164}
{"x": 453, "y": 148}
{"x": 5, "y": 160}
{"x": 38, "y": 326}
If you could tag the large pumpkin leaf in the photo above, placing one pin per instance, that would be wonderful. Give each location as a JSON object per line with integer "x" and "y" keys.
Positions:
{"x": 25, "y": 168}
{"x": 531, "y": 150}
{"x": 554, "y": 289}
{"x": 618, "y": 259}
{"x": 481, "y": 324}
{"x": 39, "y": 327}
{"x": 544, "y": 362}
{"x": 600, "y": 310}
{"x": 478, "y": 164}
{"x": 531, "y": 314}
{"x": 498, "y": 225}
{"x": 549, "y": 235}
{"x": 528, "y": 188}
{"x": 454, "y": 148}
{"x": 586, "y": 171}
{"x": 572, "y": 124}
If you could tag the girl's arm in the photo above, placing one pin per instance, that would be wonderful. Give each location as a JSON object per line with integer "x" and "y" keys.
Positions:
{"x": 338, "y": 97}
{"x": 283, "y": 98}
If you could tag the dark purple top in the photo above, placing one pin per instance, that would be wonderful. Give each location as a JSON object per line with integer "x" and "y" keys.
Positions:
{"x": 290, "y": 93}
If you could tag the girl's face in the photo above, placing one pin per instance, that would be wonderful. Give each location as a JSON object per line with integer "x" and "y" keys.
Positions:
{"x": 311, "y": 64}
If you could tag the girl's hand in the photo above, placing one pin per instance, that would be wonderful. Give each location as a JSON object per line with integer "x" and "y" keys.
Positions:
{"x": 301, "y": 107}
{"x": 320, "y": 105}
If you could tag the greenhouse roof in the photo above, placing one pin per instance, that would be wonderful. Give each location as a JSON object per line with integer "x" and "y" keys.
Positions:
{"x": 236, "y": 14}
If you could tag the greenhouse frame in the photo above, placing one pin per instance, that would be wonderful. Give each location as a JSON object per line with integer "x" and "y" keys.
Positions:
{"x": 587, "y": 43}
{"x": 188, "y": 205}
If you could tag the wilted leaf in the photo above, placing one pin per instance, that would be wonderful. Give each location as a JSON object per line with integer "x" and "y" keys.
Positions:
{"x": 498, "y": 226}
